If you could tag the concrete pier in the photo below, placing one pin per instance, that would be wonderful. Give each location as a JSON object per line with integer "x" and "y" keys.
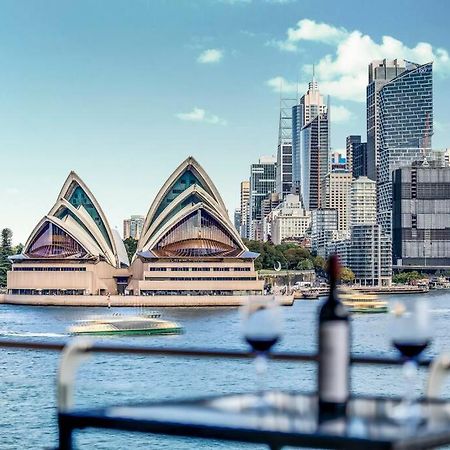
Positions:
{"x": 133, "y": 300}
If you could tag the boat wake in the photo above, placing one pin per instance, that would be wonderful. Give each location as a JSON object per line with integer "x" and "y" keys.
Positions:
{"x": 4, "y": 333}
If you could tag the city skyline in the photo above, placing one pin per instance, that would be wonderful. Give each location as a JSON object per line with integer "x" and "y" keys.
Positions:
{"x": 106, "y": 93}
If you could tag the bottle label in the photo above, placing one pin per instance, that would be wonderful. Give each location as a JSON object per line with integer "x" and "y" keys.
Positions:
{"x": 334, "y": 360}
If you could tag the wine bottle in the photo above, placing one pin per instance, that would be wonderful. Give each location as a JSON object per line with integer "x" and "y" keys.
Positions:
{"x": 334, "y": 350}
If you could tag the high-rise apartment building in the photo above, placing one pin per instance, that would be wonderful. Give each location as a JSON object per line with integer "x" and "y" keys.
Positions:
{"x": 336, "y": 195}
{"x": 262, "y": 182}
{"x": 421, "y": 216}
{"x": 406, "y": 124}
{"x": 132, "y": 227}
{"x": 245, "y": 208}
{"x": 308, "y": 108}
{"x": 381, "y": 72}
{"x": 363, "y": 202}
{"x": 324, "y": 225}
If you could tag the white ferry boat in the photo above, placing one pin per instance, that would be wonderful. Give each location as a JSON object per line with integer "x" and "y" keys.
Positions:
{"x": 117, "y": 324}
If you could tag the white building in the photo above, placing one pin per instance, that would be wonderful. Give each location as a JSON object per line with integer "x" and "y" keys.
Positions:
{"x": 289, "y": 220}
{"x": 336, "y": 195}
{"x": 363, "y": 202}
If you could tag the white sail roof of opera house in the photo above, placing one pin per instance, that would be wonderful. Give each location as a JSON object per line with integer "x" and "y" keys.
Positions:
{"x": 75, "y": 228}
{"x": 188, "y": 218}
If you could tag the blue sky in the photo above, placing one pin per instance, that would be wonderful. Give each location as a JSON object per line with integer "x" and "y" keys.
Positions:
{"x": 122, "y": 91}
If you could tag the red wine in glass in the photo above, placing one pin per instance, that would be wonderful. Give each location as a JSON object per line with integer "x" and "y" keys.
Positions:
{"x": 411, "y": 349}
{"x": 262, "y": 344}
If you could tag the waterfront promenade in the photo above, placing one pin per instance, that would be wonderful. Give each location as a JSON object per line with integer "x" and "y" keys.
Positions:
{"x": 134, "y": 300}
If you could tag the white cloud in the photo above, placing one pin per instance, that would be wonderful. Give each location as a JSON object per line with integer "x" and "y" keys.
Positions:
{"x": 200, "y": 115}
{"x": 343, "y": 72}
{"x": 309, "y": 30}
{"x": 209, "y": 56}
{"x": 340, "y": 113}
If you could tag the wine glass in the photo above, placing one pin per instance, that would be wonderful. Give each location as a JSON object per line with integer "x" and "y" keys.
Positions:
{"x": 261, "y": 327}
{"x": 410, "y": 335}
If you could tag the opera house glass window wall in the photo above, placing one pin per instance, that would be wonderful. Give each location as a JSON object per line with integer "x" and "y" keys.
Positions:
{"x": 73, "y": 250}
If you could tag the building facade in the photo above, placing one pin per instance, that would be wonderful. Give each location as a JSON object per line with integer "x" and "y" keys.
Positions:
{"x": 314, "y": 160}
{"x": 381, "y": 72}
{"x": 359, "y": 164}
{"x": 324, "y": 229}
{"x": 284, "y": 168}
{"x": 308, "y": 108}
{"x": 132, "y": 227}
{"x": 363, "y": 202}
{"x": 350, "y": 142}
{"x": 336, "y": 195}
{"x": 406, "y": 125}
{"x": 262, "y": 182}
{"x": 245, "y": 208}
{"x": 421, "y": 216}
{"x": 237, "y": 220}
{"x": 289, "y": 220}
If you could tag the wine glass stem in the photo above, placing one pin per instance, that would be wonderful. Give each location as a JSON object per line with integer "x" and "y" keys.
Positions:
{"x": 261, "y": 370}
{"x": 410, "y": 376}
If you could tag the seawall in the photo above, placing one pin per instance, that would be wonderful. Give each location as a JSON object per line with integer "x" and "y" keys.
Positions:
{"x": 132, "y": 300}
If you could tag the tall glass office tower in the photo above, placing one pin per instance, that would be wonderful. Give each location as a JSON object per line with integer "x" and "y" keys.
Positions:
{"x": 381, "y": 72}
{"x": 406, "y": 126}
{"x": 308, "y": 108}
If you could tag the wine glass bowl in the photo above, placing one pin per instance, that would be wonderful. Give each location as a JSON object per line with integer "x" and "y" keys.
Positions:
{"x": 261, "y": 329}
{"x": 410, "y": 332}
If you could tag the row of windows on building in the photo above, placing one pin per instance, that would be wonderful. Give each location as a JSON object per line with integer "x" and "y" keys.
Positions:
{"x": 49, "y": 269}
{"x": 200, "y": 279}
{"x": 46, "y": 291}
{"x": 197, "y": 292}
{"x": 199, "y": 269}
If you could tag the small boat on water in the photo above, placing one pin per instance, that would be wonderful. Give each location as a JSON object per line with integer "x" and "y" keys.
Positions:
{"x": 117, "y": 324}
{"x": 360, "y": 302}
{"x": 311, "y": 294}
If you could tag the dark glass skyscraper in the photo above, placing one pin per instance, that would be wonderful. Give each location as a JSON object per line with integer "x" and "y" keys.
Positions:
{"x": 381, "y": 72}
{"x": 406, "y": 126}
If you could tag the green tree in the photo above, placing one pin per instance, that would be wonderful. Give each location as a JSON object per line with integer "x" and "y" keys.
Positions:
{"x": 305, "y": 264}
{"x": 5, "y": 251}
{"x": 347, "y": 276}
{"x": 294, "y": 256}
{"x": 407, "y": 277}
{"x": 130, "y": 246}
{"x": 319, "y": 263}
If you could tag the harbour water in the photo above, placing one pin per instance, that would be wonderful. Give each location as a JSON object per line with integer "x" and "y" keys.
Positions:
{"x": 27, "y": 384}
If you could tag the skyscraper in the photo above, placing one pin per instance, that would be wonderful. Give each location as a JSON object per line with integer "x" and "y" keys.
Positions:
{"x": 309, "y": 107}
{"x": 245, "y": 196}
{"x": 284, "y": 150}
{"x": 237, "y": 219}
{"x": 381, "y": 72}
{"x": 406, "y": 126}
{"x": 314, "y": 159}
{"x": 359, "y": 160}
{"x": 262, "y": 182}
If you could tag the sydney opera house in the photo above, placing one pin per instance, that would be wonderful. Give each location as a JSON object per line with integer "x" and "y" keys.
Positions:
{"x": 188, "y": 246}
